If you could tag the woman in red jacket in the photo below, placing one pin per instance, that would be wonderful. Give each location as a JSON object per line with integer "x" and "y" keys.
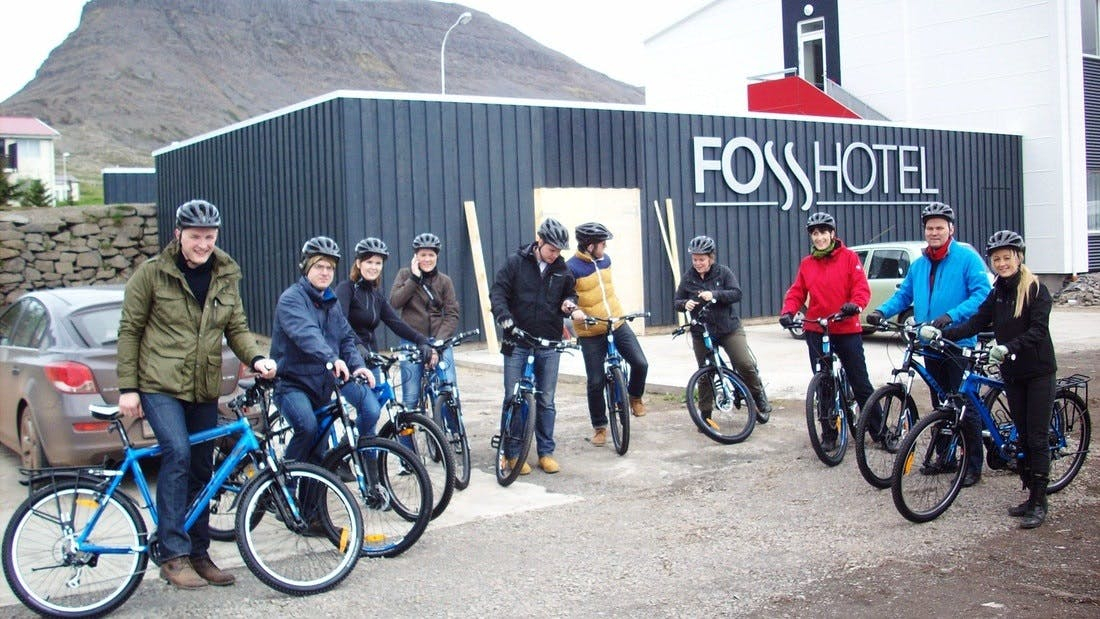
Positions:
{"x": 831, "y": 280}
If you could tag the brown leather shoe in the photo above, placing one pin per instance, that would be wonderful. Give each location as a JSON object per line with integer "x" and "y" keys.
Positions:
{"x": 600, "y": 437}
{"x": 178, "y": 572}
{"x": 637, "y": 406}
{"x": 211, "y": 573}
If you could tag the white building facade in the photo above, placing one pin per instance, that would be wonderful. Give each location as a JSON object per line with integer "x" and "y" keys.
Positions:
{"x": 27, "y": 145}
{"x": 1027, "y": 67}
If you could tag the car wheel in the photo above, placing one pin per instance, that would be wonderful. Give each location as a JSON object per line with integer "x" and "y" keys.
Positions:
{"x": 30, "y": 446}
{"x": 798, "y": 333}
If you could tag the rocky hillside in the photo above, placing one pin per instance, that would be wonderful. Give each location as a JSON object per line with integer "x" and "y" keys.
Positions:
{"x": 139, "y": 74}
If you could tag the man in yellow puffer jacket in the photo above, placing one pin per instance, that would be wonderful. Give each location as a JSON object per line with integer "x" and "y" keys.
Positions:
{"x": 591, "y": 267}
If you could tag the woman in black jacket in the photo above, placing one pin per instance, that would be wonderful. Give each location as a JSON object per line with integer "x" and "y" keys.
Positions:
{"x": 1018, "y": 307}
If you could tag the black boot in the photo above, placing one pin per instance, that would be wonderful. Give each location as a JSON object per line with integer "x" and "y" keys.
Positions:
{"x": 1038, "y": 498}
{"x": 1022, "y": 508}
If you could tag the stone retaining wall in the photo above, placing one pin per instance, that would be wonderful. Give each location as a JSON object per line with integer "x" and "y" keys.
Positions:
{"x": 73, "y": 246}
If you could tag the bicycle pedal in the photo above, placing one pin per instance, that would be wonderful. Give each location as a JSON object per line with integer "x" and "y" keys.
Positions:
{"x": 495, "y": 441}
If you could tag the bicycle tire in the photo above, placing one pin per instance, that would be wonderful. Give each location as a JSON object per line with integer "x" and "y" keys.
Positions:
{"x": 930, "y": 466}
{"x": 517, "y": 426}
{"x": 396, "y": 508}
{"x": 821, "y": 414}
{"x": 618, "y": 410}
{"x": 423, "y": 437}
{"x": 876, "y": 447}
{"x": 733, "y": 412}
{"x": 1070, "y": 433}
{"x": 293, "y": 559}
{"x": 447, "y": 411}
{"x": 34, "y": 537}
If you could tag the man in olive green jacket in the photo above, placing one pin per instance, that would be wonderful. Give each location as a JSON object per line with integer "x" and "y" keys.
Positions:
{"x": 176, "y": 309}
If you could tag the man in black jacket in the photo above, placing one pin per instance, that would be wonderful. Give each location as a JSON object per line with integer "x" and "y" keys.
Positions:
{"x": 534, "y": 291}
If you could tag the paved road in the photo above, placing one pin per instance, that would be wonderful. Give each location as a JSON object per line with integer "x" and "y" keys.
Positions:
{"x": 680, "y": 526}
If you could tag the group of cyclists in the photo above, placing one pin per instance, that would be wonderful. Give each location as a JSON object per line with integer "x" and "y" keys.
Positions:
{"x": 179, "y": 305}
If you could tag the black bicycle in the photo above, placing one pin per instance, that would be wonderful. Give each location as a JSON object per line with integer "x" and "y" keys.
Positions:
{"x": 830, "y": 403}
{"x": 440, "y": 395}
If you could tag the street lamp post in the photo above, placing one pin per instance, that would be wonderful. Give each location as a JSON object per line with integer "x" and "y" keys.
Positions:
{"x": 65, "y": 173}
{"x": 462, "y": 19}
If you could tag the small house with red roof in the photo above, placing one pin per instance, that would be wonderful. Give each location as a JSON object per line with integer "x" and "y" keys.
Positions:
{"x": 28, "y": 151}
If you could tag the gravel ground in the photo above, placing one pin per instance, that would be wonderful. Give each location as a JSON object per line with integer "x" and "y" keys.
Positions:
{"x": 682, "y": 526}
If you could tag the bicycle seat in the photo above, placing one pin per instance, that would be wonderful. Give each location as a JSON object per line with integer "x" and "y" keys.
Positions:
{"x": 104, "y": 412}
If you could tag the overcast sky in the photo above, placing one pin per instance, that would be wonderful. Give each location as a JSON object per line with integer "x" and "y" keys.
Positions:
{"x": 605, "y": 35}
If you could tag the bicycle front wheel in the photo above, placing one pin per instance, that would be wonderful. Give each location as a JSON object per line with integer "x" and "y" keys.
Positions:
{"x": 448, "y": 416}
{"x": 517, "y": 426}
{"x": 720, "y": 404}
{"x": 879, "y": 433}
{"x": 618, "y": 410}
{"x": 52, "y": 578}
{"x": 423, "y": 438}
{"x": 394, "y": 490}
{"x": 1070, "y": 432}
{"x": 930, "y": 466}
{"x": 828, "y": 432}
{"x": 307, "y": 530}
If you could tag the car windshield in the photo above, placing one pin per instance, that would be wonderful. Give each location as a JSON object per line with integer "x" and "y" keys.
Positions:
{"x": 99, "y": 326}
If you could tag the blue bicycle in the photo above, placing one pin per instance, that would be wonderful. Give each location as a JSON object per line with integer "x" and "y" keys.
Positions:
{"x": 616, "y": 375}
{"x": 440, "y": 395}
{"x": 931, "y": 460}
{"x": 517, "y": 419}
{"x": 877, "y": 438}
{"x": 78, "y": 546}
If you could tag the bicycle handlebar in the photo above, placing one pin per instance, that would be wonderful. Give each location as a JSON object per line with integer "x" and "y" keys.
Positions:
{"x": 541, "y": 342}
{"x": 454, "y": 340}
{"x": 610, "y": 320}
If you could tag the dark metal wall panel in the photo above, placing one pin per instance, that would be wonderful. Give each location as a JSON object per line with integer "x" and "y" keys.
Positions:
{"x": 1092, "y": 112}
{"x": 356, "y": 167}
{"x": 129, "y": 187}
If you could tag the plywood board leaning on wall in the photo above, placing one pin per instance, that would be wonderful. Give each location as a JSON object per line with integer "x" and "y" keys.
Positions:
{"x": 620, "y": 211}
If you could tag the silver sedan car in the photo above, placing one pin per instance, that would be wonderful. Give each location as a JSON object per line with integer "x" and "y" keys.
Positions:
{"x": 58, "y": 353}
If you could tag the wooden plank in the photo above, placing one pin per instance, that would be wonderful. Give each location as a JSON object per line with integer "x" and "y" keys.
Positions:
{"x": 673, "y": 243}
{"x": 489, "y": 327}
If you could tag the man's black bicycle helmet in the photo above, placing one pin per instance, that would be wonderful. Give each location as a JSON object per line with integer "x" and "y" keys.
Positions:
{"x": 702, "y": 245}
{"x": 318, "y": 246}
{"x": 592, "y": 232}
{"x": 371, "y": 246}
{"x": 820, "y": 219}
{"x": 937, "y": 209}
{"x": 427, "y": 240}
{"x": 198, "y": 214}
{"x": 553, "y": 232}
{"x": 1002, "y": 239}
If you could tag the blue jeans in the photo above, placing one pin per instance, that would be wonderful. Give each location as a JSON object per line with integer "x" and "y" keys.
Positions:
{"x": 594, "y": 350}
{"x": 546, "y": 382}
{"x": 184, "y": 471}
{"x": 297, "y": 408}
{"x": 412, "y": 372}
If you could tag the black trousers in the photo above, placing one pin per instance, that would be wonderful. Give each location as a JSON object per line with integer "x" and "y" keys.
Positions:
{"x": 1030, "y": 401}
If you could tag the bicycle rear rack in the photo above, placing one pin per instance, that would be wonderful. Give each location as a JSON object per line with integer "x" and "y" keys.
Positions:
{"x": 1078, "y": 384}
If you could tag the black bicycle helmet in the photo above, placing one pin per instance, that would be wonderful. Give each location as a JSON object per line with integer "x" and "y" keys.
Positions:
{"x": 318, "y": 246}
{"x": 198, "y": 214}
{"x": 592, "y": 232}
{"x": 1002, "y": 239}
{"x": 937, "y": 209}
{"x": 427, "y": 240}
{"x": 371, "y": 246}
{"x": 553, "y": 232}
{"x": 820, "y": 219}
{"x": 702, "y": 245}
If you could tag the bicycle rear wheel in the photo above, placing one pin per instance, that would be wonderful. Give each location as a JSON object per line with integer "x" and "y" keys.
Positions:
{"x": 395, "y": 493}
{"x": 720, "y": 404}
{"x": 448, "y": 416}
{"x": 828, "y": 432}
{"x": 930, "y": 466}
{"x": 517, "y": 426}
{"x": 1070, "y": 432}
{"x": 423, "y": 438}
{"x": 301, "y": 554}
{"x": 52, "y": 580}
{"x": 618, "y": 410}
{"x": 877, "y": 439}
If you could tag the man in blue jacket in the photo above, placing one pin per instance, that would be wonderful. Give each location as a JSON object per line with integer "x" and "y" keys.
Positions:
{"x": 945, "y": 286}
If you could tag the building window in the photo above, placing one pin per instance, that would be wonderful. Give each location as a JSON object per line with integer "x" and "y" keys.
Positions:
{"x": 11, "y": 159}
{"x": 811, "y": 51}
{"x": 1092, "y": 196}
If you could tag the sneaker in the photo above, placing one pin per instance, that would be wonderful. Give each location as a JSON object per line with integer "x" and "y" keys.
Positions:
{"x": 211, "y": 573}
{"x": 179, "y": 573}
{"x": 599, "y": 439}
{"x": 549, "y": 464}
{"x": 524, "y": 470}
{"x": 637, "y": 407}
